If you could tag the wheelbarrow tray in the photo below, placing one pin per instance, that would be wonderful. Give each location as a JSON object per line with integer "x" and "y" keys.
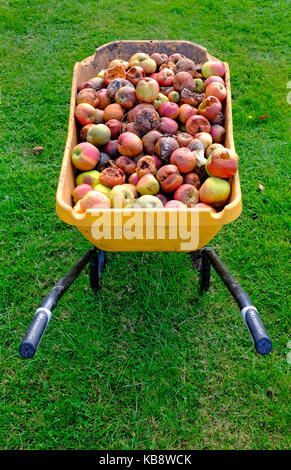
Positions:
{"x": 115, "y": 237}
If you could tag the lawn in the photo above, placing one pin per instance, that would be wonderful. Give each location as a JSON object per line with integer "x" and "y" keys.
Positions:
{"x": 148, "y": 364}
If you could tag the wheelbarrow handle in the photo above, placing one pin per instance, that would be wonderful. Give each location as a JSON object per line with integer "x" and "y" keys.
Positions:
{"x": 262, "y": 342}
{"x": 35, "y": 332}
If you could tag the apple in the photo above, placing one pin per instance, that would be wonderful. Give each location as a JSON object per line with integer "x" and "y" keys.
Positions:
{"x": 113, "y": 111}
{"x": 149, "y": 65}
{"x": 85, "y": 113}
{"x": 148, "y": 185}
{"x": 205, "y": 138}
{"x": 165, "y": 77}
{"x": 88, "y": 177}
{"x": 169, "y": 109}
{"x": 162, "y": 198}
{"x": 99, "y": 116}
{"x": 126, "y": 164}
{"x": 102, "y": 189}
{"x": 217, "y": 133}
{"x": 99, "y": 134}
{"x": 147, "y": 90}
{"x": 186, "y": 111}
{"x": 169, "y": 178}
{"x": 132, "y": 189}
{"x": 188, "y": 194}
{"x": 159, "y": 58}
{"x": 135, "y": 74}
{"x": 197, "y": 123}
{"x": 191, "y": 97}
{"x": 199, "y": 85}
{"x": 159, "y": 100}
{"x": 210, "y": 107}
{"x": 148, "y": 202}
{"x": 94, "y": 200}
{"x": 87, "y": 95}
{"x": 85, "y": 156}
{"x": 216, "y": 89}
{"x": 111, "y": 149}
{"x": 196, "y": 144}
{"x": 114, "y": 86}
{"x": 121, "y": 62}
{"x": 183, "y": 80}
{"x": 117, "y": 71}
{"x": 222, "y": 163}
{"x": 129, "y": 144}
{"x": 184, "y": 139}
{"x": 214, "y": 191}
{"x": 212, "y": 147}
{"x": 213, "y": 78}
{"x": 174, "y": 96}
{"x": 146, "y": 165}
{"x": 167, "y": 126}
{"x": 84, "y": 131}
{"x": 186, "y": 65}
{"x": 134, "y": 111}
{"x": 115, "y": 128}
{"x": 173, "y": 204}
{"x": 149, "y": 140}
{"x": 126, "y": 97}
{"x": 165, "y": 146}
{"x": 133, "y": 179}
{"x": 103, "y": 98}
{"x": 138, "y": 58}
{"x": 130, "y": 127}
{"x": 184, "y": 159}
{"x": 202, "y": 205}
{"x": 212, "y": 67}
{"x": 121, "y": 196}
{"x": 192, "y": 178}
{"x": 146, "y": 120}
{"x": 112, "y": 176}
{"x": 80, "y": 191}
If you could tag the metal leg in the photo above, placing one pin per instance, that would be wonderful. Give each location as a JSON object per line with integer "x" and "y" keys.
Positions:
{"x": 43, "y": 314}
{"x": 249, "y": 313}
{"x": 96, "y": 268}
{"x": 205, "y": 271}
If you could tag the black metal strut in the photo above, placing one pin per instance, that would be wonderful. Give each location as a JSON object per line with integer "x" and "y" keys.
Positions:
{"x": 202, "y": 259}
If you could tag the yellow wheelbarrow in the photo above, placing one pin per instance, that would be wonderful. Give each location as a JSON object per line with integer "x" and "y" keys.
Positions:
{"x": 146, "y": 229}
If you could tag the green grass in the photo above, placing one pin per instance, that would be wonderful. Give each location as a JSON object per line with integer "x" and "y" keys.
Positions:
{"x": 148, "y": 364}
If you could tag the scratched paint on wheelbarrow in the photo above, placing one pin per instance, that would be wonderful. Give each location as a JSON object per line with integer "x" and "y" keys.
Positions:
{"x": 204, "y": 226}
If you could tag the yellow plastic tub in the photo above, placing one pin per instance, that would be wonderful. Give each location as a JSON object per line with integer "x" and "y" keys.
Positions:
{"x": 143, "y": 229}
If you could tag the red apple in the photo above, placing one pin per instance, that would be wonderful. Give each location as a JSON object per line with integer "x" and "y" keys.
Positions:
{"x": 184, "y": 159}
{"x": 165, "y": 77}
{"x": 186, "y": 111}
{"x": 115, "y": 128}
{"x": 126, "y": 164}
{"x": 169, "y": 178}
{"x": 164, "y": 147}
{"x": 149, "y": 140}
{"x": 213, "y": 78}
{"x": 85, "y": 156}
{"x": 175, "y": 205}
{"x": 216, "y": 89}
{"x": 126, "y": 97}
{"x": 103, "y": 98}
{"x": 94, "y": 200}
{"x": 135, "y": 74}
{"x": 183, "y": 80}
{"x": 169, "y": 109}
{"x": 222, "y": 163}
{"x": 129, "y": 144}
{"x": 192, "y": 178}
{"x": 196, "y": 124}
{"x": 210, "y": 107}
{"x": 188, "y": 194}
{"x": 212, "y": 67}
{"x": 205, "y": 138}
{"x": 85, "y": 113}
{"x": 88, "y": 95}
{"x": 80, "y": 191}
{"x": 167, "y": 126}
{"x": 217, "y": 133}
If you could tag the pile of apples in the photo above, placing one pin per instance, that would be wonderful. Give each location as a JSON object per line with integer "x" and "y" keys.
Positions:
{"x": 152, "y": 134}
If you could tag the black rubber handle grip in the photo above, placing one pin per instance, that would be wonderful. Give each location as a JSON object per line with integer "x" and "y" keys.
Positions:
{"x": 31, "y": 341}
{"x": 262, "y": 342}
